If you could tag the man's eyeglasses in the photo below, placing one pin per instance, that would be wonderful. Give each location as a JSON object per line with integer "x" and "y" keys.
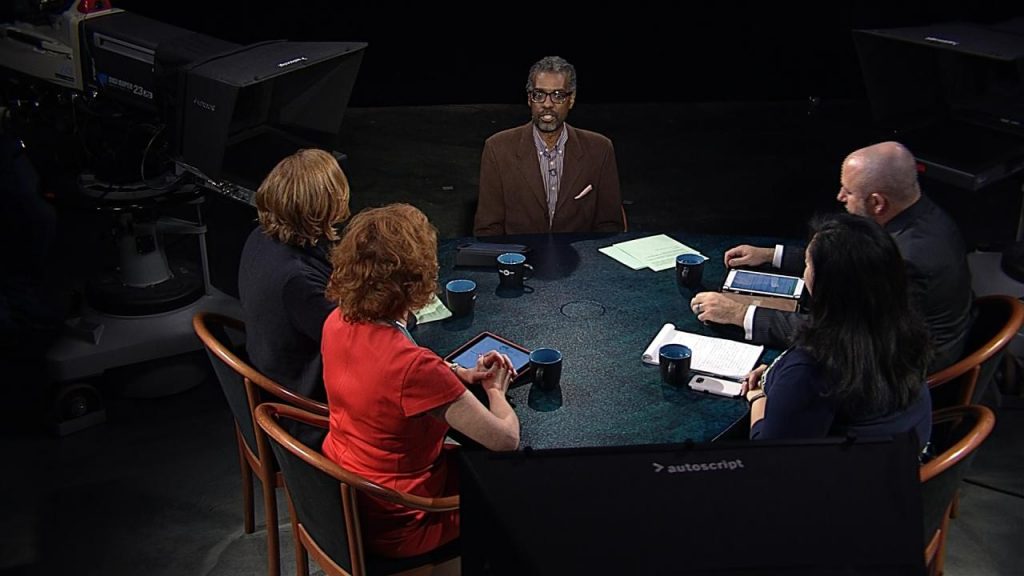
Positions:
{"x": 539, "y": 96}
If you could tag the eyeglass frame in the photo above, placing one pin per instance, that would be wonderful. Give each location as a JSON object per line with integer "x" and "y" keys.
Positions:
{"x": 555, "y": 95}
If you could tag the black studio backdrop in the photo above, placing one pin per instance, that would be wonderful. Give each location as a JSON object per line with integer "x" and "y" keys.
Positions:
{"x": 453, "y": 53}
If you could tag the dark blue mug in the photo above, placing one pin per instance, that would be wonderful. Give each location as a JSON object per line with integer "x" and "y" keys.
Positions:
{"x": 512, "y": 270}
{"x": 547, "y": 367}
{"x": 460, "y": 295}
{"x": 689, "y": 270}
{"x": 674, "y": 361}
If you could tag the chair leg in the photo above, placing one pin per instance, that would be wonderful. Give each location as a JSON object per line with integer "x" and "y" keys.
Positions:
{"x": 301, "y": 558}
{"x": 1010, "y": 383}
{"x": 954, "y": 510}
{"x": 249, "y": 523}
{"x": 940, "y": 558}
{"x": 270, "y": 515}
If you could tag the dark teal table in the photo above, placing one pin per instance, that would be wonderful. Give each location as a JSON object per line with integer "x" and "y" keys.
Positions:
{"x": 601, "y": 315}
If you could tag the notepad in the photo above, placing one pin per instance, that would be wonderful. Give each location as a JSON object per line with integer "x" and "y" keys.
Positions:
{"x": 655, "y": 252}
{"x": 714, "y": 356}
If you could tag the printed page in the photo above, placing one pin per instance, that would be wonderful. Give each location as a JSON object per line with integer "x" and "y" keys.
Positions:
{"x": 717, "y": 356}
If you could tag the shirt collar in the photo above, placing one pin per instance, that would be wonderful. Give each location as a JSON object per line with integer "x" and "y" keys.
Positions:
{"x": 909, "y": 214}
{"x": 538, "y": 141}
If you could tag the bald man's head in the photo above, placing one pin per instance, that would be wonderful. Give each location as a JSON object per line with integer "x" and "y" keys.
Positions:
{"x": 879, "y": 181}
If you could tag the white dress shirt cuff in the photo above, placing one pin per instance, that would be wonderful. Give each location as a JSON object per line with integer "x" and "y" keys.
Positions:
{"x": 748, "y": 322}
{"x": 777, "y": 257}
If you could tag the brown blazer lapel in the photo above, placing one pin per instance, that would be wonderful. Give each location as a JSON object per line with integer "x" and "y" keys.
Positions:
{"x": 529, "y": 167}
{"x": 572, "y": 180}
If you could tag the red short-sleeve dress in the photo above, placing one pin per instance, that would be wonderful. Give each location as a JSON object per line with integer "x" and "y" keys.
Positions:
{"x": 380, "y": 386}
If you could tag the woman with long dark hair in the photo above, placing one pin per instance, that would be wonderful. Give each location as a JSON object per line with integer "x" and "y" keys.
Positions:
{"x": 858, "y": 366}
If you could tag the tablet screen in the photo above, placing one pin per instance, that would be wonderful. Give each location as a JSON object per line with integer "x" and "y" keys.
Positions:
{"x": 467, "y": 359}
{"x": 764, "y": 283}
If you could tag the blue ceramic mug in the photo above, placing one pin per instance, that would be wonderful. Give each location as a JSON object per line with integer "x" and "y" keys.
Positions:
{"x": 689, "y": 270}
{"x": 674, "y": 361}
{"x": 547, "y": 367}
{"x": 512, "y": 270}
{"x": 460, "y": 295}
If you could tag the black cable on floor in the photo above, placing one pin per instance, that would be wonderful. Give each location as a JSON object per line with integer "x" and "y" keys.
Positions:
{"x": 993, "y": 488}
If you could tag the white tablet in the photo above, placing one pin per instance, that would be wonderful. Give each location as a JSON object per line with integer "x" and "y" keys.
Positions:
{"x": 748, "y": 282}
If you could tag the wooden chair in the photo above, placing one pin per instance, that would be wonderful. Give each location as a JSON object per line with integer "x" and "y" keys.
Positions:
{"x": 957, "y": 432}
{"x": 998, "y": 320}
{"x": 245, "y": 387}
{"x": 325, "y": 515}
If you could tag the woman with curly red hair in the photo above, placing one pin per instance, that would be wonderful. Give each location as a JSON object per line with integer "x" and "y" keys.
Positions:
{"x": 391, "y": 401}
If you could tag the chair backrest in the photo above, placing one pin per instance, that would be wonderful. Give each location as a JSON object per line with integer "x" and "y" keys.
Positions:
{"x": 998, "y": 318}
{"x": 957, "y": 432}
{"x": 324, "y": 494}
{"x": 243, "y": 385}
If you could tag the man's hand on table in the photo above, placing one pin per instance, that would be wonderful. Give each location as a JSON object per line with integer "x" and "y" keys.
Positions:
{"x": 746, "y": 255}
{"x": 714, "y": 307}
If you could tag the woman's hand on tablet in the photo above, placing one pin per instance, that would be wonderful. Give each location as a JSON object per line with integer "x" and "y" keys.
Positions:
{"x": 487, "y": 364}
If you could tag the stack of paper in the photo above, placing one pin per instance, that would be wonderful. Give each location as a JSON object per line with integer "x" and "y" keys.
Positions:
{"x": 715, "y": 356}
{"x": 655, "y": 252}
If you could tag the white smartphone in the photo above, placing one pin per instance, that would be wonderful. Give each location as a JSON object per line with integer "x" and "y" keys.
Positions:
{"x": 714, "y": 385}
{"x": 748, "y": 282}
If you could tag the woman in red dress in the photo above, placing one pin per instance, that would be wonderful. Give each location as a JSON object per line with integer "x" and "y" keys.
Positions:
{"x": 392, "y": 401}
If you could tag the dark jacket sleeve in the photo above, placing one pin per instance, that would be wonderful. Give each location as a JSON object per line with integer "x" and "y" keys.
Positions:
{"x": 608, "y": 217}
{"x": 793, "y": 260}
{"x": 306, "y": 305}
{"x": 490, "y": 208}
{"x": 776, "y": 328}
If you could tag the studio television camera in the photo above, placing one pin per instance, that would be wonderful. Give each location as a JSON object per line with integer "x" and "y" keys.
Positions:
{"x": 163, "y": 116}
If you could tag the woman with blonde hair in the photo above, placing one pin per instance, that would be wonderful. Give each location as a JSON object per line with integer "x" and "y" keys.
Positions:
{"x": 285, "y": 266}
{"x": 392, "y": 401}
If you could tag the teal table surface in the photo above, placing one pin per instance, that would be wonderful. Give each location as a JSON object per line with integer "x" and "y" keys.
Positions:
{"x": 601, "y": 315}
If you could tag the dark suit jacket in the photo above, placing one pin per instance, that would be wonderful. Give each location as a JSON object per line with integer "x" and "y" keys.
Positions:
{"x": 281, "y": 288}
{"x": 938, "y": 280}
{"x": 512, "y": 198}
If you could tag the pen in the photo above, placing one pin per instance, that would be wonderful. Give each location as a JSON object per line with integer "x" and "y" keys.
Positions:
{"x": 584, "y": 192}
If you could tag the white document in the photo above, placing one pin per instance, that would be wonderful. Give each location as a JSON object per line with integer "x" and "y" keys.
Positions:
{"x": 434, "y": 310}
{"x": 656, "y": 252}
{"x": 715, "y": 356}
{"x": 616, "y": 254}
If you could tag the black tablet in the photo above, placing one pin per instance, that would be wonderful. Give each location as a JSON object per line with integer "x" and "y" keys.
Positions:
{"x": 483, "y": 343}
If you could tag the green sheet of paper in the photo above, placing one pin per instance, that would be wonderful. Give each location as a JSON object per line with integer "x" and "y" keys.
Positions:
{"x": 434, "y": 310}
{"x": 655, "y": 252}
{"x": 616, "y": 254}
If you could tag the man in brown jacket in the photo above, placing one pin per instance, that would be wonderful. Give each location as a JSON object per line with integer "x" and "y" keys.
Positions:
{"x": 547, "y": 176}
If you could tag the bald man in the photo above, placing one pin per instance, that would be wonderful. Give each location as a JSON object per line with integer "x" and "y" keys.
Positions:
{"x": 877, "y": 182}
